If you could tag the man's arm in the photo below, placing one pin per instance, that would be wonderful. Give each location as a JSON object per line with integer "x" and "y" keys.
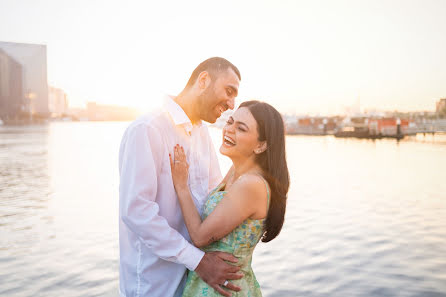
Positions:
{"x": 141, "y": 158}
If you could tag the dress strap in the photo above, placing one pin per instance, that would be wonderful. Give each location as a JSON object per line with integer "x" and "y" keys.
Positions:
{"x": 267, "y": 190}
{"x": 220, "y": 186}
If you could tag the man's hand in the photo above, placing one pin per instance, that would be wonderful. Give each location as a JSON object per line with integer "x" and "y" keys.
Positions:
{"x": 215, "y": 271}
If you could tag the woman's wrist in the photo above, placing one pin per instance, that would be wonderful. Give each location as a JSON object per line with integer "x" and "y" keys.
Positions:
{"x": 183, "y": 191}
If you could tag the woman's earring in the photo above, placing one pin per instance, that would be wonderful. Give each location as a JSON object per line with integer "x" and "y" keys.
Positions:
{"x": 261, "y": 149}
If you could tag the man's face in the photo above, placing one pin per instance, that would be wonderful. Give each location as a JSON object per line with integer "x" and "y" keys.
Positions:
{"x": 219, "y": 96}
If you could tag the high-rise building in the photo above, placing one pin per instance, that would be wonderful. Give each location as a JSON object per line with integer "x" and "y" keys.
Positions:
{"x": 11, "y": 87}
{"x": 32, "y": 58}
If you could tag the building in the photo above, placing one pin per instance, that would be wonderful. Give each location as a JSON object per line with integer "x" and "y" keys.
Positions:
{"x": 441, "y": 105}
{"x": 33, "y": 61}
{"x": 312, "y": 125}
{"x": 389, "y": 126}
{"x": 11, "y": 87}
{"x": 57, "y": 102}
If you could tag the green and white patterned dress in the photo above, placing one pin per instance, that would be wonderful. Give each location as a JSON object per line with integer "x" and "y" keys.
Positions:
{"x": 240, "y": 242}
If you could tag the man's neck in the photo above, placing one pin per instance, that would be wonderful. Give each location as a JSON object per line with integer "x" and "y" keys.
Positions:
{"x": 188, "y": 103}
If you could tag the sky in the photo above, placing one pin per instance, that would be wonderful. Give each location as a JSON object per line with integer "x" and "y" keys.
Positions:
{"x": 304, "y": 57}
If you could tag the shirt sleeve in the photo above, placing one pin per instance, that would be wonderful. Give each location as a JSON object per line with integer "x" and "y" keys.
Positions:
{"x": 214, "y": 169}
{"x": 141, "y": 156}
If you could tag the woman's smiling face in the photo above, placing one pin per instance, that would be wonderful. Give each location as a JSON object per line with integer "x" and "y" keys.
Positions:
{"x": 240, "y": 136}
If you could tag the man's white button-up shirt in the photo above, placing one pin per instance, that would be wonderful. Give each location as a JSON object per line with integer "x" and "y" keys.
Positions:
{"x": 153, "y": 239}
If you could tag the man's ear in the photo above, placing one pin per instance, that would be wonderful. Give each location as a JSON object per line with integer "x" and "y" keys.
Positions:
{"x": 203, "y": 80}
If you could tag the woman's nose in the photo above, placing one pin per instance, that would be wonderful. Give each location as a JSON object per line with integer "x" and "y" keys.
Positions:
{"x": 229, "y": 128}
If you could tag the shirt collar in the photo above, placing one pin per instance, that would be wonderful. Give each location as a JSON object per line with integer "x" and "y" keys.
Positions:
{"x": 177, "y": 114}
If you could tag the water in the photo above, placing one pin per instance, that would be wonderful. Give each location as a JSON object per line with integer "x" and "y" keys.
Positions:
{"x": 364, "y": 218}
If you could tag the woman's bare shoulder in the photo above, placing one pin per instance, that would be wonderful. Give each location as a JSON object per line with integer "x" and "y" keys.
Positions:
{"x": 250, "y": 186}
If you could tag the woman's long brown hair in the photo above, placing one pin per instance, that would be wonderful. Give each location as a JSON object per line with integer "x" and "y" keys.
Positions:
{"x": 271, "y": 129}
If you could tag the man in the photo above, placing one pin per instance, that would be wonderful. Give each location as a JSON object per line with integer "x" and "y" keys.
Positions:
{"x": 153, "y": 239}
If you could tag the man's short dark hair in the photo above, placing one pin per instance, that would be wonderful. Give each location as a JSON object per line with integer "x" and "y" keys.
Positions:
{"x": 214, "y": 66}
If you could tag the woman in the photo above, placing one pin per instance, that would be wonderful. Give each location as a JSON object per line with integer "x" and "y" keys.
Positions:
{"x": 254, "y": 191}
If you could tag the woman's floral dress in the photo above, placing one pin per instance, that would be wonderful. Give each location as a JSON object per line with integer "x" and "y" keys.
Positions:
{"x": 240, "y": 242}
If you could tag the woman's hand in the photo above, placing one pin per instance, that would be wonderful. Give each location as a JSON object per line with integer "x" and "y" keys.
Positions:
{"x": 179, "y": 168}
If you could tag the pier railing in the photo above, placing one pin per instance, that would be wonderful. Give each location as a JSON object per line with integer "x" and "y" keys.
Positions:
{"x": 431, "y": 126}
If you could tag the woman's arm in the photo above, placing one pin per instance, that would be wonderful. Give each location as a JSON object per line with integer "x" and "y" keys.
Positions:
{"x": 246, "y": 197}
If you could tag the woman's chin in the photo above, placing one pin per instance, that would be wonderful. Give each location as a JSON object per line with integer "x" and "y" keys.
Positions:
{"x": 224, "y": 150}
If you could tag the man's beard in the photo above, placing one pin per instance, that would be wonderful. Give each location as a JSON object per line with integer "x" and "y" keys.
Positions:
{"x": 204, "y": 101}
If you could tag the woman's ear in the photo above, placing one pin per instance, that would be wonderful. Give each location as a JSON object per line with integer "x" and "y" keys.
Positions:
{"x": 261, "y": 148}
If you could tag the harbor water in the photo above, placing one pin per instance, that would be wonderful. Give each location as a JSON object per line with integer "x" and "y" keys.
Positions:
{"x": 364, "y": 218}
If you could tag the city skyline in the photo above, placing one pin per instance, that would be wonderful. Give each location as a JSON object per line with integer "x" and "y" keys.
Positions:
{"x": 317, "y": 57}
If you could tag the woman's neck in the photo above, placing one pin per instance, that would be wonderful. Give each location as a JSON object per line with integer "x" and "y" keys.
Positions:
{"x": 243, "y": 167}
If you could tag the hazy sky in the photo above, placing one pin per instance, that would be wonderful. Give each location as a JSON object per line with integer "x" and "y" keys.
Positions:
{"x": 301, "y": 56}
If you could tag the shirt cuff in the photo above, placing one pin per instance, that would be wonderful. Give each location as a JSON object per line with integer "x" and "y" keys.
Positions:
{"x": 191, "y": 257}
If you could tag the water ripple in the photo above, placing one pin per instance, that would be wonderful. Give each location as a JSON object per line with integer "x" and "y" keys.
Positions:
{"x": 364, "y": 219}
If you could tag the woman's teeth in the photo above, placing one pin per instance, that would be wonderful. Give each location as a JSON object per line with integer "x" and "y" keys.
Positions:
{"x": 229, "y": 141}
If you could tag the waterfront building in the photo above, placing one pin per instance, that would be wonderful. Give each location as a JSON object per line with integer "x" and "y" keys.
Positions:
{"x": 33, "y": 61}
{"x": 441, "y": 105}
{"x": 11, "y": 87}
{"x": 57, "y": 102}
{"x": 389, "y": 126}
{"x": 312, "y": 125}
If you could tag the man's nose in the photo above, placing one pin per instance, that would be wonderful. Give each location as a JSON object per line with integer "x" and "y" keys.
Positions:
{"x": 230, "y": 103}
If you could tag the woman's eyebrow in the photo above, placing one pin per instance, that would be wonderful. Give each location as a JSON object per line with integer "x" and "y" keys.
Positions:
{"x": 241, "y": 123}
